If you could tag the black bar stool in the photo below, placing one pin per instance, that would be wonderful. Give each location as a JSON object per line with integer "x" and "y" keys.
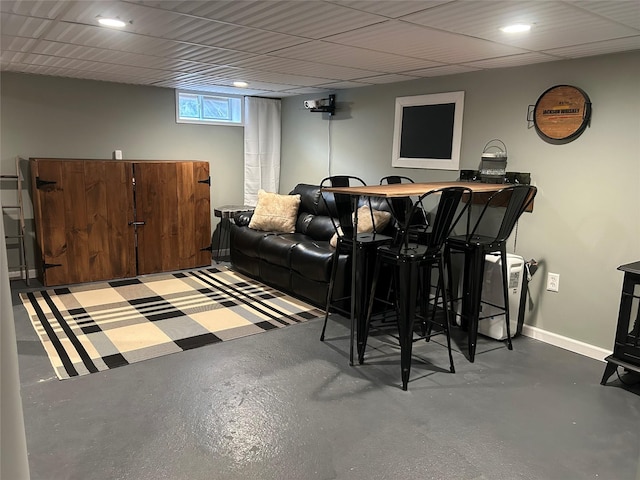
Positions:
{"x": 341, "y": 208}
{"x": 487, "y": 235}
{"x": 413, "y": 261}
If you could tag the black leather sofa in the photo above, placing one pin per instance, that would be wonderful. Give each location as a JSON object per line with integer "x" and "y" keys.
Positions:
{"x": 298, "y": 263}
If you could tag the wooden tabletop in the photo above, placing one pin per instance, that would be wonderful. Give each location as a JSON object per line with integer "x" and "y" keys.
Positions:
{"x": 412, "y": 189}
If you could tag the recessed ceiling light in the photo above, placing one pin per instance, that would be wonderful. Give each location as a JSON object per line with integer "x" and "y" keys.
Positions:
{"x": 240, "y": 84}
{"x": 111, "y": 22}
{"x": 516, "y": 28}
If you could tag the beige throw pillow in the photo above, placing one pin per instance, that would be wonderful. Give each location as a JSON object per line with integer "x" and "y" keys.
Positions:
{"x": 380, "y": 218}
{"x": 275, "y": 213}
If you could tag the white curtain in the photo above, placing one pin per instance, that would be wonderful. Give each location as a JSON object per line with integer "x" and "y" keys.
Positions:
{"x": 261, "y": 147}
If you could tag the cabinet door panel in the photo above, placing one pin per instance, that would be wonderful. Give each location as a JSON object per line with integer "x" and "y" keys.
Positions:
{"x": 170, "y": 200}
{"x": 109, "y": 195}
{"x": 82, "y": 220}
{"x": 202, "y": 213}
{"x": 76, "y": 222}
{"x": 156, "y": 206}
{"x": 194, "y": 214}
{"x": 51, "y": 231}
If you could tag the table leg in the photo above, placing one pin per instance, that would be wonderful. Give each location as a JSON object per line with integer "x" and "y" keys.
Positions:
{"x": 361, "y": 298}
{"x": 354, "y": 283}
{"x": 223, "y": 234}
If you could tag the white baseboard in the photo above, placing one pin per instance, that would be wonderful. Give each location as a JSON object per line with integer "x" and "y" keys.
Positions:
{"x": 567, "y": 343}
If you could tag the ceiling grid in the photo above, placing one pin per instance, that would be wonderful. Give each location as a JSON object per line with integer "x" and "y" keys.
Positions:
{"x": 294, "y": 47}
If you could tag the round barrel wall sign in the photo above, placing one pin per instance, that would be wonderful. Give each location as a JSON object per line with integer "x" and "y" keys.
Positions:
{"x": 562, "y": 113}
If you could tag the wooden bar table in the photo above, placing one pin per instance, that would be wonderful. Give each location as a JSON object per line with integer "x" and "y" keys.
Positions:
{"x": 395, "y": 191}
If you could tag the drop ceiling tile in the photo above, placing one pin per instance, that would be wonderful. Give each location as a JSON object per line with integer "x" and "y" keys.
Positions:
{"x": 554, "y": 23}
{"x": 349, "y": 56}
{"x": 255, "y": 85}
{"x": 310, "y": 19}
{"x": 305, "y": 91}
{"x": 93, "y": 36}
{"x": 411, "y": 40}
{"x": 443, "y": 70}
{"x": 87, "y": 65}
{"x": 12, "y": 57}
{"x": 625, "y": 12}
{"x": 118, "y": 77}
{"x": 390, "y": 78}
{"x": 114, "y": 57}
{"x": 301, "y": 67}
{"x": 43, "y": 9}
{"x": 253, "y": 76}
{"x": 391, "y": 9}
{"x": 130, "y": 42}
{"x": 514, "y": 60}
{"x": 229, "y": 36}
{"x": 343, "y": 85}
{"x": 21, "y": 26}
{"x": 176, "y": 26}
{"x": 211, "y": 88}
{"x": 17, "y": 44}
{"x": 598, "y": 48}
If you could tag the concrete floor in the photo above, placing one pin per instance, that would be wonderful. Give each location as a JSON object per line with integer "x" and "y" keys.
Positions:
{"x": 283, "y": 405}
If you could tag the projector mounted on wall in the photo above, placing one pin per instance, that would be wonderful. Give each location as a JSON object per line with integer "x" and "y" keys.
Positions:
{"x": 324, "y": 105}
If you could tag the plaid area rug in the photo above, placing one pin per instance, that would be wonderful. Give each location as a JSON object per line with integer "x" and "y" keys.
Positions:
{"x": 94, "y": 327}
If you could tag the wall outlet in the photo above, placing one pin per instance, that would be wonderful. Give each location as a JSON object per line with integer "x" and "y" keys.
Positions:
{"x": 553, "y": 282}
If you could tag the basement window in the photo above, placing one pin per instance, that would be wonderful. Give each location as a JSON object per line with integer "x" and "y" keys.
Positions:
{"x": 208, "y": 108}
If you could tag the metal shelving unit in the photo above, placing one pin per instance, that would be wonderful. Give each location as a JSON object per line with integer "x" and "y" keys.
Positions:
{"x": 19, "y": 208}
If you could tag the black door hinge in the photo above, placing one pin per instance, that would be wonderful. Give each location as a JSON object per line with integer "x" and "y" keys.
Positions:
{"x": 206, "y": 180}
{"x": 207, "y": 249}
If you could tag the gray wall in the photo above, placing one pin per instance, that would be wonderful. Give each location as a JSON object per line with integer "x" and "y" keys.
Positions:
{"x": 586, "y": 219}
{"x": 59, "y": 117}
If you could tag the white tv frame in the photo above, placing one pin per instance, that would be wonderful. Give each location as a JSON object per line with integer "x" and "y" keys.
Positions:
{"x": 452, "y": 163}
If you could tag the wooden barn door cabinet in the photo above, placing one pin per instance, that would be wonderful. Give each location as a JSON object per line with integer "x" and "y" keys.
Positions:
{"x": 107, "y": 219}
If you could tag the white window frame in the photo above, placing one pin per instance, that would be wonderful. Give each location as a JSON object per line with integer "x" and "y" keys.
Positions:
{"x": 203, "y": 121}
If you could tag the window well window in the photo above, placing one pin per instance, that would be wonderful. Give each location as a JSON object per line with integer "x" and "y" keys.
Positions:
{"x": 208, "y": 108}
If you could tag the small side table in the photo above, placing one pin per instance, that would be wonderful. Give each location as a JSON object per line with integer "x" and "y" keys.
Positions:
{"x": 226, "y": 213}
{"x": 626, "y": 350}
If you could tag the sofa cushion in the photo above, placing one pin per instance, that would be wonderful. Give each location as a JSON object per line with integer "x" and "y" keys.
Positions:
{"x": 274, "y": 212}
{"x": 276, "y": 249}
{"x": 316, "y": 227}
{"x": 380, "y": 219}
{"x": 313, "y": 260}
{"x": 246, "y": 240}
{"x": 310, "y": 197}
